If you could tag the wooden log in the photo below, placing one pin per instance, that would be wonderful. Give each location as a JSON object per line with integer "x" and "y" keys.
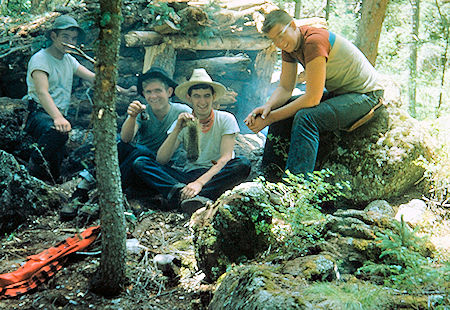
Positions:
{"x": 142, "y": 38}
{"x": 149, "y": 38}
{"x": 219, "y": 43}
{"x": 227, "y": 67}
{"x": 163, "y": 56}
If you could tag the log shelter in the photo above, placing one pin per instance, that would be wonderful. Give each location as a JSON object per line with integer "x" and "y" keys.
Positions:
{"x": 238, "y": 55}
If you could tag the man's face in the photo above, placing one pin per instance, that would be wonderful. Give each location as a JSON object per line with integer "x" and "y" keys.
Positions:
{"x": 284, "y": 37}
{"x": 156, "y": 94}
{"x": 64, "y": 36}
{"x": 201, "y": 100}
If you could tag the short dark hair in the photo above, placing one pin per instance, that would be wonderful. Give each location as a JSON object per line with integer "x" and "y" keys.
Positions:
{"x": 200, "y": 86}
{"x": 275, "y": 17}
{"x": 155, "y": 79}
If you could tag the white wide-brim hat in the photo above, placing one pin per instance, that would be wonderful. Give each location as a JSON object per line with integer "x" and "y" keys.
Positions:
{"x": 199, "y": 76}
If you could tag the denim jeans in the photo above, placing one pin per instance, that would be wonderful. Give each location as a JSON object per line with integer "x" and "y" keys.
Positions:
{"x": 51, "y": 144}
{"x": 164, "y": 177}
{"x": 127, "y": 154}
{"x": 303, "y": 130}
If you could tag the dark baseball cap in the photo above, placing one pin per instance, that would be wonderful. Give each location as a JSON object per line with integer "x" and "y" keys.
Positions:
{"x": 154, "y": 72}
{"x": 65, "y": 22}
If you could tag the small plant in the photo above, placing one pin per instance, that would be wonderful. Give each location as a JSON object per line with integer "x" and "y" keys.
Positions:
{"x": 162, "y": 12}
{"x": 300, "y": 205}
{"x": 403, "y": 263}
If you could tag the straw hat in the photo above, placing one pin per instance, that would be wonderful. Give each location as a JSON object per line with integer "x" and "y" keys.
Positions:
{"x": 199, "y": 76}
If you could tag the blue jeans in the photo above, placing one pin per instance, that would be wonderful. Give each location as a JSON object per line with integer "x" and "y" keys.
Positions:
{"x": 127, "y": 154}
{"x": 164, "y": 177}
{"x": 51, "y": 144}
{"x": 303, "y": 130}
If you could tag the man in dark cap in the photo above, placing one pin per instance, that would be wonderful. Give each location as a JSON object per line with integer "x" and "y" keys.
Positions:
{"x": 49, "y": 80}
{"x": 144, "y": 135}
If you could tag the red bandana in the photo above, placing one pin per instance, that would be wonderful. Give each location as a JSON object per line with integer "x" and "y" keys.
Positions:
{"x": 207, "y": 123}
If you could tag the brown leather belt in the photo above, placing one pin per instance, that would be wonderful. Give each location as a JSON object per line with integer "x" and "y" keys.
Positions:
{"x": 366, "y": 117}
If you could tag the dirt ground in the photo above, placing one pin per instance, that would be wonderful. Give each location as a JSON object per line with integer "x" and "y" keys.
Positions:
{"x": 146, "y": 287}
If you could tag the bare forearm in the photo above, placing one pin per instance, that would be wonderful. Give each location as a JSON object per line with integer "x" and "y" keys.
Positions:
{"x": 208, "y": 175}
{"x": 49, "y": 106}
{"x": 128, "y": 129}
{"x": 167, "y": 149}
{"x": 279, "y": 97}
{"x": 291, "y": 108}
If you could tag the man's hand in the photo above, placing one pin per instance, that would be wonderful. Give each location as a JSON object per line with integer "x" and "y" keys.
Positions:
{"x": 135, "y": 108}
{"x": 261, "y": 111}
{"x": 62, "y": 125}
{"x": 258, "y": 124}
{"x": 191, "y": 190}
{"x": 183, "y": 118}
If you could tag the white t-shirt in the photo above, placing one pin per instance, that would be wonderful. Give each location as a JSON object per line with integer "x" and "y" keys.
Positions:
{"x": 224, "y": 124}
{"x": 60, "y": 77}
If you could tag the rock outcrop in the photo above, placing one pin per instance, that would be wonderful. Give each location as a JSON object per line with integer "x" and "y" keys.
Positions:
{"x": 236, "y": 228}
{"x": 21, "y": 195}
{"x": 380, "y": 160}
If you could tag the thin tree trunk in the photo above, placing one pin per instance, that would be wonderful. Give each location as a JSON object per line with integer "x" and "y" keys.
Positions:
{"x": 111, "y": 274}
{"x": 444, "y": 58}
{"x": 327, "y": 10}
{"x": 413, "y": 57}
{"x": 369, "y": 28}
{"x": 298, "y": 8}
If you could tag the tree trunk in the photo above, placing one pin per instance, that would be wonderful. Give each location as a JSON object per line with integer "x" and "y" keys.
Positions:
{"x": 413, "y": 57}
{"x": 111, "y": 273}
{"x": 327, "y": 10}
{"x": 372, "y": 16}
{"x": 298, "y": 8}
{"x": 163, "y": 56}
{"x": 444, "y": 58}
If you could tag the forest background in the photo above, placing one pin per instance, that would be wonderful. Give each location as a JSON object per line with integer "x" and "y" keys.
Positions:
{"x": 413, "y": 46}
{"x": 412, "y": 52}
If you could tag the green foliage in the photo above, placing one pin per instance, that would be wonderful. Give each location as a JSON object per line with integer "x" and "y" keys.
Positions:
{"x": 300, "y": 205}
{"x": 15, "y": 8}
{"x": 162, "y": 12}
{"x": 403, "y": 264}
{"x": 347, "y": 296}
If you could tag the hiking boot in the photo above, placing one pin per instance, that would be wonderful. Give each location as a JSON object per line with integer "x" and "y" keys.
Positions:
{"x": 174, "y": 196}
{"x": 189, "y": 206}
{"x": 80, "y": 194}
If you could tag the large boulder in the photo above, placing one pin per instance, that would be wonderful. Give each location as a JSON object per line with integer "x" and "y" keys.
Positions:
{"x": 22, "y": 195}
{"x": 236, "y": 228}
{"x": 380, "y": 159}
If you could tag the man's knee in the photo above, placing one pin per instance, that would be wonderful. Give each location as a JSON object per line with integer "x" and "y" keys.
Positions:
{"x": 242, "y": 166}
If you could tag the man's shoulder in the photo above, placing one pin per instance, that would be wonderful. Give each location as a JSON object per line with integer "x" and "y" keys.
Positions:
{"x": 224, "y": 114}
{"x": 38, "y": 56}
{"x": 180, "y": 107}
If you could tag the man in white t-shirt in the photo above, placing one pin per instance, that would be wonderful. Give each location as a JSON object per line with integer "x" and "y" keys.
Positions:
{"x": 215, "y": 168}
{"x": 49, "y": 80}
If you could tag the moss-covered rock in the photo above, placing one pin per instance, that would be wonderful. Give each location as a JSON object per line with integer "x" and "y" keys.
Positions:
{"x": 22, "y": 195}
{"x": 234, "y": 229}
{"x": 311, "y": 267}
{"x": 262, "y": 287}
{"x": 380, "y": 158}
{"x": 257, "y": 287}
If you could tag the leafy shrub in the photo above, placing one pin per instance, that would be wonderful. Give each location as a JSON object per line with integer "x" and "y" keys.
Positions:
{"x": 299, "y": 206}
{"x": 403, "y": 263}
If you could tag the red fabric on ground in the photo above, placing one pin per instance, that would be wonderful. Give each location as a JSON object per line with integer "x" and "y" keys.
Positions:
{"x": 42, "y": 266}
